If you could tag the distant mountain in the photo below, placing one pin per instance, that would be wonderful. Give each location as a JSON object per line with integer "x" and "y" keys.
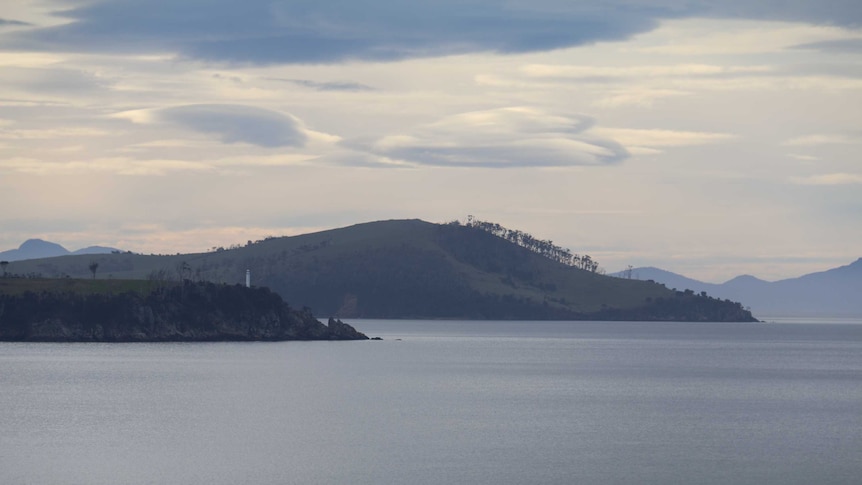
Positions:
{"x": 33, "y": 249}
{"x": 671, "y": 280}
{"x": 38, "y": 249}
{"x": 95, "y": 250}
{"x": 836, "y": 292}
{"x": 410, "y": 269}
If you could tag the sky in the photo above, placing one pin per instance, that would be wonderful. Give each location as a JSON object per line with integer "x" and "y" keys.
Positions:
{"x": 707, "y": 138}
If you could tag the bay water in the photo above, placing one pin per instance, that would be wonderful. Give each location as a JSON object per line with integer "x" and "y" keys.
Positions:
{"x": 440, "y": 402}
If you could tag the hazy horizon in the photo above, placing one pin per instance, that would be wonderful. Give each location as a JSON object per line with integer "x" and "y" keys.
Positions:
{"x": 710, "y": 140}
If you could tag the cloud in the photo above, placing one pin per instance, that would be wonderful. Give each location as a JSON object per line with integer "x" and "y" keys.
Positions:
{"x": 237, "y": 123}
{"x": 602, "y": 73}
{"x": 232, "y": 123}
{"x": 262, "y": 31}
{"x": 634, "y": 96}
{"x": 851, "y": 46}
{"x": 634, "y": 64}
{"x": 326, "y": 85}
{"x": 52, "y": 133}
{"x": 830, "y": 12}
{"x": 662, "y": 138}
{"x": 720, "y": 35}
{"x": 121, "y": 166}
{"x": 500, "y": 138}
{"x": 13, "y": 23}
{"x": 822, "y": 139}
{"x": 28, "y": 59}
{"x": 265, "y": 32}
{"x": 804, "y": 158}
{"x": 52, "y": 81}
{"x": 829, "y": 179}
{"x": 148, "y": 166}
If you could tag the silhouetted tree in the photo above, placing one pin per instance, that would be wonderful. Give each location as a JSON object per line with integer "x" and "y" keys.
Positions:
{"x": 93, "y": 267}
{"x": 3, "y": 264}
{"x": 538, "y": 246}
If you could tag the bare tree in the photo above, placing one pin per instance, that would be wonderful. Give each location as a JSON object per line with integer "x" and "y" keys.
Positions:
{"x": 93, "y": 267}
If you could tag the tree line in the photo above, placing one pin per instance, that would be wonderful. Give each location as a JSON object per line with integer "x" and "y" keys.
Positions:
{"x": 545, "y": 248}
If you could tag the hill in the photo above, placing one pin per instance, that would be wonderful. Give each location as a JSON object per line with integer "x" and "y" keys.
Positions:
{"x": 67, "y": 310}
{"x": 831, "y": 293}
{"x": 411, "y": 269}
{"x": 37, "y": 248}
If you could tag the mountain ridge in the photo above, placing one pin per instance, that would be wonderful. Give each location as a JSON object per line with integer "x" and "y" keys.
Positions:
{"x": 36, "y": 248}
{"x": 832, "y": 292}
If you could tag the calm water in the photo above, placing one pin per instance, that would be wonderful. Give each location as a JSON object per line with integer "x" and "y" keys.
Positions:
{"x": 450, "y": 402}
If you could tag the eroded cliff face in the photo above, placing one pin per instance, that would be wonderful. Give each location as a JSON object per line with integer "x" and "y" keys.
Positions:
{"x": 181, "y": 312}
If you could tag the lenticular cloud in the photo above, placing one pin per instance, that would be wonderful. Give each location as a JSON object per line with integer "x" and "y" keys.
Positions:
{"x": 239, "y": 124}
{"x": 501, "y": 138}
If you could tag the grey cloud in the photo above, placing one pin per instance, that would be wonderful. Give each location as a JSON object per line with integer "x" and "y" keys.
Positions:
{"x": 234, "y": 79}
{"x": 305, "y": 31}
{"x": 493, "y": 156}
{"x": 16, "y": 23}
{"x": 311, "y": 31}
{"x": 852, "y": 46}
{"x": 326, "y": 85}
{"x": 845, "y": 13}
{"x": 239, "y": 124}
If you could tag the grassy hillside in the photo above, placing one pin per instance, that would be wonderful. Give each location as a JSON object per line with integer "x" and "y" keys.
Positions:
{"x": 76, "y": 286}
{"x": 398, "y": 269}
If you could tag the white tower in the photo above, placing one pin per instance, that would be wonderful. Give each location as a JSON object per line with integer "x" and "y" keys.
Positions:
{"x": 248, "y": 278}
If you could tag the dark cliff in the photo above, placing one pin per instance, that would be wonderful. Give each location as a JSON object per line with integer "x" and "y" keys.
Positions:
{"x": 177, "y": 312}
